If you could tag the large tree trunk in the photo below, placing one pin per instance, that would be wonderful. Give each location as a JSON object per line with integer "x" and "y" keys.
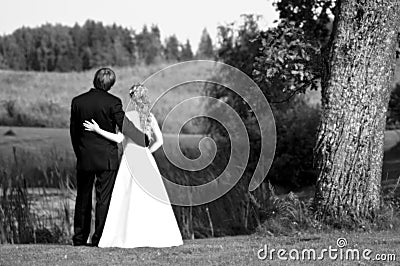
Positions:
{"x": 355, "y": 94}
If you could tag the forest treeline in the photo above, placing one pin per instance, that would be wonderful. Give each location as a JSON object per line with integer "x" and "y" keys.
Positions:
{"x": 64, "y": 48}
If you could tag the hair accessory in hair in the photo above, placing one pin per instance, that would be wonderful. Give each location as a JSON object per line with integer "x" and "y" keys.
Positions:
{"x": 134, "y": 88}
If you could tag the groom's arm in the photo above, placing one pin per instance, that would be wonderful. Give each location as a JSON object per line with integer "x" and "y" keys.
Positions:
{"x": 127, "y": 127}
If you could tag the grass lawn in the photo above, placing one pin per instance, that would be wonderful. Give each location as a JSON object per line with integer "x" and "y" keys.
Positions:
{"x": 240, "y": 250}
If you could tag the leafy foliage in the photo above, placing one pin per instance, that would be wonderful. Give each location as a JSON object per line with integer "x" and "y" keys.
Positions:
{"x": 175, "y": 51}
{"x": 288, "y": 58}
{"x": 296, "y": 122}
{"x": 291, "y": 52}
{"x": 314, "y": 17}
{"x": 186, "y": 51}
{"x": 206, "y": 49}
{"x": 296, "y": 137}
{"x": 172, "y": 52}
{"x": 238, "y": 44}
{"x": 393, "y": 118}
{"x": 62, "y": 48}
{"x": 149, "y": 45}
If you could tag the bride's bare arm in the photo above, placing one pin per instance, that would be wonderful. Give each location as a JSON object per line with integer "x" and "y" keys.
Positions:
{"x": 158, "y": 139}
{"x": 94, "y": 127}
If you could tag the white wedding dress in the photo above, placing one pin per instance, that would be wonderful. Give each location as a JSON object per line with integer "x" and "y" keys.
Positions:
{"x": 136, "y": 216}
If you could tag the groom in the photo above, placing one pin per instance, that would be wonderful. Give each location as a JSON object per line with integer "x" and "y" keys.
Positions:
{"x": 97, "y": 157}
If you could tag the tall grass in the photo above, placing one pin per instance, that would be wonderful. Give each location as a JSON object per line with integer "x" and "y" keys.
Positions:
{"x": 37, "y": 200}
{"x": 41, "y": 210}
{"x": 289, "y": 215}
{"x": 30, "y": 214}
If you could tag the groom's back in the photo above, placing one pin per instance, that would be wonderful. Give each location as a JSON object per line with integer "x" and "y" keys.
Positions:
{"x": 95, "y": 153}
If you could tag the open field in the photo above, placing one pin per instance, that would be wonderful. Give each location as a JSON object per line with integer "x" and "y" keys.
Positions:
{"x": 43, "y": 140}
{"x": 43, "y": 99}
{"x": 240, "y": 250}
{"x": 42, "y": 147}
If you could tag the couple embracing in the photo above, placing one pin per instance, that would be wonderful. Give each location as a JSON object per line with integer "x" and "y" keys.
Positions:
{"x": 126, "y": 215}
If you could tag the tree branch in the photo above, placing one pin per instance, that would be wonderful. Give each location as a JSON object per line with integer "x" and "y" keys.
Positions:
{"x": 302, "y": 87}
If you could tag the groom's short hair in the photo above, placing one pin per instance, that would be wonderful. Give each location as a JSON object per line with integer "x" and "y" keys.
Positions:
{"x": 104, "y": 79}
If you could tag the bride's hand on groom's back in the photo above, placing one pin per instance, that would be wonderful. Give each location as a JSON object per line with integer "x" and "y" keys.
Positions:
{"x": 91, "y": 126}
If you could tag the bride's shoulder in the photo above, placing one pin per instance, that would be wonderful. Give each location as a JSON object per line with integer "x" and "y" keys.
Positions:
{"x": 153, "y": 118}
{"x": 132, "y": 113}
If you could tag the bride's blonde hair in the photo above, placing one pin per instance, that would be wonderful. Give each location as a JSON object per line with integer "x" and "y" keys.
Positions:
{"x": 141, "y": 104}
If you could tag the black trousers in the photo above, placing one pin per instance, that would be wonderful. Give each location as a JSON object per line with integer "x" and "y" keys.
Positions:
{"x": 83, "y": 206}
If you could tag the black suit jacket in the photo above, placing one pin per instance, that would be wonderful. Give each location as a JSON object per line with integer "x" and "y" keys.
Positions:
{"x": 94, "y": 152}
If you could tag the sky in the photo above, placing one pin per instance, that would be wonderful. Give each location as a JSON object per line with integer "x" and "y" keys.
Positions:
{"x": 185, "y": 19}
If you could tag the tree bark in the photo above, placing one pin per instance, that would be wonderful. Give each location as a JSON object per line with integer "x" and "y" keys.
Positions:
{"x": 355, "y": 95}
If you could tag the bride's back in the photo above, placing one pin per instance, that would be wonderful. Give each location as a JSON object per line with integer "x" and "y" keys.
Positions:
{"x": 134, "y": 117}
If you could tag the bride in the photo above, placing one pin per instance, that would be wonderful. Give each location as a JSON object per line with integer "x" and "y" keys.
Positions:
{"x": 137, "y": 218}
